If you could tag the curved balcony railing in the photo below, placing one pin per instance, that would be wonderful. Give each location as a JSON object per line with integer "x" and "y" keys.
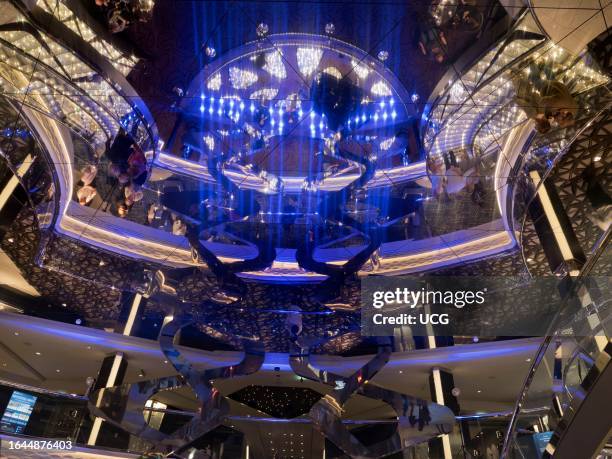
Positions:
{"x": 477, "y": 111}
{"x": 30, "y": 166}
{"x": 68, "y": 86}
{"x": 544, "y": 155}
{"x": 80, "y": 75}
{"x": 576, "y": 336}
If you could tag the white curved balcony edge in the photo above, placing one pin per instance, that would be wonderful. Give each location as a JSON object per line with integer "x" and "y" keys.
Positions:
{"x": 156, "y": 246}
{"x": 382, "y": 177}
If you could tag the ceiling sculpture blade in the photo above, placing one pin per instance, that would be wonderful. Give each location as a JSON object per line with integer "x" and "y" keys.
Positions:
{"x": 124, "y": 405}
{"x": 417, "y": 420}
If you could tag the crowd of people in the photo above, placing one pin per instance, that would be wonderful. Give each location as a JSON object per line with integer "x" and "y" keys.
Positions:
{"x": 127, "y": 173}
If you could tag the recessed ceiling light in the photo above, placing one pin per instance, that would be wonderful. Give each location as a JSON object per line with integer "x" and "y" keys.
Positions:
{"x": 596, "y": 158}
{"x": 16, "y": 333}
{"x": 11, "y": 240}
{"x": 528, "y": 360}
{"x": 165, "y": 361}
{"x": 89, "y": 347}
{"x": 4, "y": 364}
{"x": 479, "y": 391}
{"x": 37, "y": 353}
{"x": 57, "y": 371}
{"x": 64, "y": 304}
{"x": 401, "y": 371}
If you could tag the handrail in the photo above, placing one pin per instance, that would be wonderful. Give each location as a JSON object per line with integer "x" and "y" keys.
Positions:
{"x": 595, "y": 253}
{"x": 552, "y": 166}
{"x": 49, "y": 167}
{"x": 49, "y": 24}
{"x": 79, "y": 92}
{"x": 467, "y": 60}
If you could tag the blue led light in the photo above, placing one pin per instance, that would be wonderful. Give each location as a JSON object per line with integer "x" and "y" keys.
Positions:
{"x": 202, "y": 96}
{"x": 271, "y": 111}
{"x": 210, "y": 110}
{"x": 252, "y": 107}
{"x": 321, "y": 125}
{"x": 385, "y": 116}
{"x": 393, "y": 114}
{"x": 231, "y": 103}
{"x": 202, "y": 108}
{"x": 375, "y": 116}
{"x": 392, "y": 102}
{"x": 312, "y": 115}
{"x": 241, "y": 105}
{"x": 382, "y": 104}
{"x": 219, "y": 112}
{"x": 272, "y": 122}
{"x": 363, "y": 117}
{"x": 300, "y": 113}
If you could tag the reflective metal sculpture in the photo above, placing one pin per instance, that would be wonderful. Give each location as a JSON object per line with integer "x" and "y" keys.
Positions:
{"x": 417, "y": 420}
{"x": 124, "y": 405}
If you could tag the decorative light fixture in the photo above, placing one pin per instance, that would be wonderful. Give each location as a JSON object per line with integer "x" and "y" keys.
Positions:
{"x": 264, "y": 94}
{"x": 362, "y": 71}
{"x": 242, "y": 79}
{"x": 308, "y": 59}
{"x": 262, "y": 29}
{"x": 210, "y": 51}
{"x": 383, "y": 55}
{"x": 380, "y": 88}
{"x": 274, "y": 65}
{"x": 209, "y": 141}
{"x": 333, "y": 71}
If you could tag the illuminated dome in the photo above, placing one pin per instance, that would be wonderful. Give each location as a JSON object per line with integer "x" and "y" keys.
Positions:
{"x": 278, "y": 106}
